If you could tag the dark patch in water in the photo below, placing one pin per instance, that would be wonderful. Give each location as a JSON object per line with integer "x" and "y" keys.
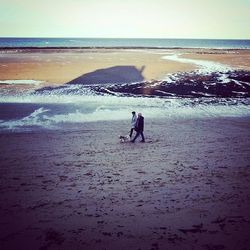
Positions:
{"x": 233, "y": 84}
{"x": 188, "y": 85}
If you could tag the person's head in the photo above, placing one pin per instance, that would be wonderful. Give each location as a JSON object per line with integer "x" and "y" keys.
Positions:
{"x": 139, "y": 114}
{"x": 133, "y": 112}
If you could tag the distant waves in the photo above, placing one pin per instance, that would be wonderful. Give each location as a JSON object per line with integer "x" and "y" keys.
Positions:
{"x": 124, "y": 43}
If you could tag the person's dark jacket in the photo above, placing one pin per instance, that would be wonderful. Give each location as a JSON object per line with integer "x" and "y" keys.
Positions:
{"x": 140, "y": 123}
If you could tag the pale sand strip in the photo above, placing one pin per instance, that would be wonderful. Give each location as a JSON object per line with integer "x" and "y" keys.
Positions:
{"x": 238, "y": 59}
{"x": 61, "y": 66}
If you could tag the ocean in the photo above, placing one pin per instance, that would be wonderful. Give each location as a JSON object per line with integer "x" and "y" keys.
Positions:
{"x": 222, "y": 92}
{"x": 122, "y": 42}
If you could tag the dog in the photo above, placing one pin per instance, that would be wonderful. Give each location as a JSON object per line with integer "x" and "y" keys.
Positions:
{"x": 124, "y": 138}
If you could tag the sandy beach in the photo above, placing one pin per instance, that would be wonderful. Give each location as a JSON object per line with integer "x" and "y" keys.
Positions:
{"x": 77, "y": 77}
{"x": 187, "y": 187}
{"x": 59, "y": 66}
{"x": 67, "y": 182}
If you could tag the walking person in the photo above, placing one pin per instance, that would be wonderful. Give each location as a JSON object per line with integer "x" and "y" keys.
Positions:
{"x": 139, "y": 128}
{"x": 133, "y": 123}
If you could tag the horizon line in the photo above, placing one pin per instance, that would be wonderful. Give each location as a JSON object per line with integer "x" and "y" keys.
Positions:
{"x": 163, "y": 38}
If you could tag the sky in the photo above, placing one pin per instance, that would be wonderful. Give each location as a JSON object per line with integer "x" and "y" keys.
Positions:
{"x": 212, "y": 19}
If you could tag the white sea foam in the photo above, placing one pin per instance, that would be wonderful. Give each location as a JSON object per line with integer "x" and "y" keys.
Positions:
{"x": 36, "y": 118}
{"x": 83, "y": 99}
{"x": 204, "y": 66}
{"x": 115, "y": 108}
{"x": 34, "y": 82}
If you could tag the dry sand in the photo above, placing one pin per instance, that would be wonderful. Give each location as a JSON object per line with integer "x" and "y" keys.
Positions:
{"x": 187, "y": 187}
{"x": 57, "y": 66}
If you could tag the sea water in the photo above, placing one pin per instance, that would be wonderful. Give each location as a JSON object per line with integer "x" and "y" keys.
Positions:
{"x": 54, "y": 112}
{"x": 122, "y": 42}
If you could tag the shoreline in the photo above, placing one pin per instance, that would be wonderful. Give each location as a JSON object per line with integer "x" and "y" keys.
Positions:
{"x": 54, "y": 113}
{"x": 116, "y": 47}
{"x": 199, "y": 50}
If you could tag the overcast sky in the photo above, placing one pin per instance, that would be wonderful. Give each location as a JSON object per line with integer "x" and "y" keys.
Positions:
{"x": 221, "y": 19}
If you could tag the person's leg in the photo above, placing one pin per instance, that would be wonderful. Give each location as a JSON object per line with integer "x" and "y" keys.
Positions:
{"x": 142, "y": 137}
{"x": 131, "y": 132}
{"x": 137, "y": 134}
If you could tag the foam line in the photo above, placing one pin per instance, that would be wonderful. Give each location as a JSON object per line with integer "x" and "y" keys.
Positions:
{"x": 204, "y": 65}
{"x": 35, "y": 82}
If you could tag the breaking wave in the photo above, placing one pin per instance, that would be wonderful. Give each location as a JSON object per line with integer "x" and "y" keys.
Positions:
{"x": 41, "y": 111}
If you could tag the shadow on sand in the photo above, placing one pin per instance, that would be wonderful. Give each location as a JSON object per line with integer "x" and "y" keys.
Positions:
{"x": 112, "y": 75}
{"x": 116, "y": 74}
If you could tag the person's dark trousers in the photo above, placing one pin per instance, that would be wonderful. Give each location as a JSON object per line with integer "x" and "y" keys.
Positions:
{"x": 137, "y": 134}
{"x": 131, "y": 132}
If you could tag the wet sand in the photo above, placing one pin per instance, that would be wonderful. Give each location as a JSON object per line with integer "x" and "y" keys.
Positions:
{"x": 187, "y": 187}
{"x": 59, "y": 66}
{"x": 238, "y": 59}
